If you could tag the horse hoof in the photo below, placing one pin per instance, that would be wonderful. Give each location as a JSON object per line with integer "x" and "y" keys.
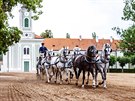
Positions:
{"x": 60, "y": 83}
{"x": 66, "y": 80}
{"x": 76, "y": 84}
{"x": 93, "y": 86}
{"x": 86, "y": 83}
{"x": 97, "y": 85}
{"x": 82, "y": 86}
{"x": 100, "y": 83}
{"x": 54, "y": 81}
{"x": 105, "y": 87}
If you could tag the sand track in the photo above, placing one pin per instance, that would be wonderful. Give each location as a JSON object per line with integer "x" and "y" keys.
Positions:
{"x": 26, "y": 87}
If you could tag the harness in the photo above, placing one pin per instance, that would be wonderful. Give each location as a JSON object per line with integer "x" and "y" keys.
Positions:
{"x": 86, "y": 56}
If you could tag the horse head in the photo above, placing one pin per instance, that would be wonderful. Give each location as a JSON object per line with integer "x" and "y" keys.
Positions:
{"x": 49, "y": 54}
{"x": 91, "y": 53}
{"x": 107, "y": 51}
{"x": 65, "y": 51}
{"x": 77, "y": 51}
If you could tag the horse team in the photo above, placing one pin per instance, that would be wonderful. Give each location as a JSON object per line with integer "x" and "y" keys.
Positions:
{"x": 54, "y": 66}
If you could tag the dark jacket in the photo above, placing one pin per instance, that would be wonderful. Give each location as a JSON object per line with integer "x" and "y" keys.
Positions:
{"x": 42, "y": 49}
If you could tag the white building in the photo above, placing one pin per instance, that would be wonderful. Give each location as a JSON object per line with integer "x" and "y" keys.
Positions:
{"x": 23, "y": 55}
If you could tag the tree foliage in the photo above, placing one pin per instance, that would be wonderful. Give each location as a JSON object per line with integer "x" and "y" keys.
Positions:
{"x": 47, "y": 34}
{"x": 94, "y": 35}
{"x": 133, "y": 60}
{"x": 129, "y": 10}
{"x": 10, "y": 35}
{"x": 112, "y": 60}
{"x": 123, "y": 61}
{"x": 127, "y": 43}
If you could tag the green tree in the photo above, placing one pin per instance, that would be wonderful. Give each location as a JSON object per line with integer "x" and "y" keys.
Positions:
{"x": 47, "y": 34}
{"x": 132, "y": 60}
{"x": 10, "y": 35}
{"x": 127, "y": 43}
{"x": 129, "y": 10}
{"x": 112, "y": 60}
{"x": 67, "y": 35}
{"x": 123, "y": 61}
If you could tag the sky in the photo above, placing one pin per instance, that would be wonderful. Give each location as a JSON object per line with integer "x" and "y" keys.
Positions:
{"x": 78, "y": 17}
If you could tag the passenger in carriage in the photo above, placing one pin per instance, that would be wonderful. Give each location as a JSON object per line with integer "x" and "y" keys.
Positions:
{"x": 42, "y": 50}
{"x": 76, "y": 50}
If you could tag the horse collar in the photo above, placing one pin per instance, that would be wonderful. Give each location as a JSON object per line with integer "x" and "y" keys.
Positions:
{"x": 87, "y": 60}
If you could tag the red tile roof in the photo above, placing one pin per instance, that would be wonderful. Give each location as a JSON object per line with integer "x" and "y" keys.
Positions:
{"x": 58, "y": 43}
{"x": 38, "y": 37}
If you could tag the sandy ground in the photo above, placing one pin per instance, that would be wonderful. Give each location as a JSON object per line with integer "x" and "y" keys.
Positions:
{"x": 26, "y": 87}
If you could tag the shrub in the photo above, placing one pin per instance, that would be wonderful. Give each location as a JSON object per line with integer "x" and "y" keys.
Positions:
{"x": 123, "y": 61}
{"x": 112, "y": 60}
{"x": 132, "y": 58}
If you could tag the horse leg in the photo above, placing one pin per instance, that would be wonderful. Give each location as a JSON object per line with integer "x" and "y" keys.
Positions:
{"x": 102, "y": 75}
{"x": 96, "y": 75}
{"x": 93, "y": 75}
{"x": 56, "y": 75}
{"x": 52, "y": 73}
{"x": 83, "y": 78}
{"x": 67, "y": 72}
{"x": 47, "y": 75}
{"x": 71, "y": 75}
{"x": 41, "y": 73}
{"x": 37, "y": 70}
{"x": 88, "y": 78}
{"x": 79, "y": 72}
{"x": 105, "y": 72}
{"x": 75, "y": 70}
{"x": 61, "y": 74}
{"x": 38, "y": 74}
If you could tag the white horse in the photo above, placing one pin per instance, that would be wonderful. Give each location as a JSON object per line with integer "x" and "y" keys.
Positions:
{"x": 46, "y": 65}
{"x": 55, "y": 66}
{"x": 102, "y": 63}
{"x": 39, "y": 66}
{"x": 63, "y": 63}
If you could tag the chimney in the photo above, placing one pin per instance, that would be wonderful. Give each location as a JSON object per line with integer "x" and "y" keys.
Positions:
{"x": 80, "y": 37}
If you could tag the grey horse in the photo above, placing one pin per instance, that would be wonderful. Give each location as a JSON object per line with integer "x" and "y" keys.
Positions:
{"x": 102, "y": 63}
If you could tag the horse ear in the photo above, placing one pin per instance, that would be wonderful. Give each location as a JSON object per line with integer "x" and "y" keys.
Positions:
{"x": 106, "y": 45}
{"x": 97, "y": 51}
{"x": 69, "y": 52}
{"x": 111, "y": 50}
{"x": 53, "y": 54}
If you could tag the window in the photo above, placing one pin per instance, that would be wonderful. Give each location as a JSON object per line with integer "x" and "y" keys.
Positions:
{"x": 26, "y": 51}
{"x": 26, "y": 22}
